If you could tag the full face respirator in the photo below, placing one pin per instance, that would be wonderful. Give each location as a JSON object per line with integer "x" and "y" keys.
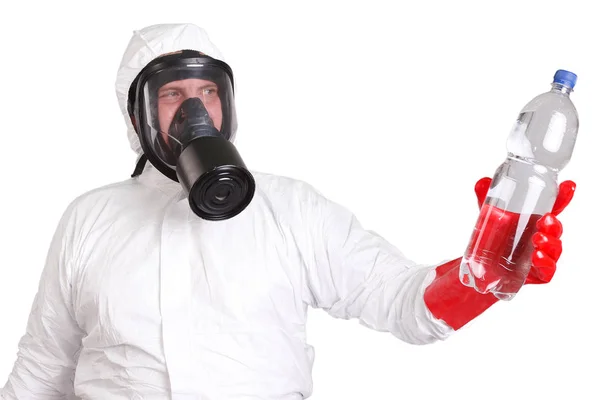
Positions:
{"x": 184, "y": 112}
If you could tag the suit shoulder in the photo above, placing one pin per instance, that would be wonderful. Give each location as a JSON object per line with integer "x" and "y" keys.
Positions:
{"x": 284, "y": 186}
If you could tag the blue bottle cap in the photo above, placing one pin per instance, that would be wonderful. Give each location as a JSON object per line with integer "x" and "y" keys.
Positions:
{"x": 565, "y": 78}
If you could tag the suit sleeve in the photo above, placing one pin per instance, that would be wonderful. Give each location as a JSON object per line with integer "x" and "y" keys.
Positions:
{"x": 48, "y": 350}
{"x": 353, "y": 273}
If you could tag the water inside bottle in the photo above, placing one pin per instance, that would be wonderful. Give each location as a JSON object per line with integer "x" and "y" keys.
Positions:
{"x": 498, "y": 257}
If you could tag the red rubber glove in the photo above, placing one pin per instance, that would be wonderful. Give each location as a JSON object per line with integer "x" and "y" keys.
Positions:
{"x": 449, "y": 300}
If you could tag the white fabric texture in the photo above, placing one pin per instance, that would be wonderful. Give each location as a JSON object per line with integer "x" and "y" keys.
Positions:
{"x": 141, "y": 299}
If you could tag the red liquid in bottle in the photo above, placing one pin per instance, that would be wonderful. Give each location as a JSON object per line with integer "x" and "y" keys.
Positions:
{"x": 498, "y": 257}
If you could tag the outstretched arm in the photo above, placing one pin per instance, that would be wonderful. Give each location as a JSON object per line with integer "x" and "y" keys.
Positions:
{"x": 355, "y": 273}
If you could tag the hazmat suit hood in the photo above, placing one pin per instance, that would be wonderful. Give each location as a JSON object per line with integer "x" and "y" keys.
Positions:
{"x": 146, "y": 45}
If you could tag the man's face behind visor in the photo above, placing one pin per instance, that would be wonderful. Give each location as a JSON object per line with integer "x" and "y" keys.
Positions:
{"x": 183, "y": 105}
{"x": 173, "y": 94}
{"x": 178, "y": 98}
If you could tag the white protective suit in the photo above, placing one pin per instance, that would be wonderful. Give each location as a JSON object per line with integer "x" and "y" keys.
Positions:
{"x": 141, "y": 299}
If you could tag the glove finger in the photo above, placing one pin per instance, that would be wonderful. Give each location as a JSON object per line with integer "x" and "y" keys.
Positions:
{"x": 550, "y": 225}
{"x": 481, "y": 188}
{"x": 542, "y": 269}
{"x": 566, "y": 190}
{"x": 548, "y": 245}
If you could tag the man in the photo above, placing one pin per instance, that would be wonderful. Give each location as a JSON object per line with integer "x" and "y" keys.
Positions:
{"x": 141, "y": 298}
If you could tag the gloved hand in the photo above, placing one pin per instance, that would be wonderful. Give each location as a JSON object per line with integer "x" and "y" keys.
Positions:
{"x": 449, "y": 300}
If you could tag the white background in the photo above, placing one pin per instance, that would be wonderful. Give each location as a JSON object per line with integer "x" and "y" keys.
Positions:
{"x": 393, "y": 109}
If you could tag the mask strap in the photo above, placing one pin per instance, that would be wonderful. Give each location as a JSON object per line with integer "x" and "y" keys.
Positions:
{"x": 139, "y": 166}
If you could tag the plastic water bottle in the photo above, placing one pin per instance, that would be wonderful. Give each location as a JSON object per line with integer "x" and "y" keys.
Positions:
{"x": 523, "y": 189}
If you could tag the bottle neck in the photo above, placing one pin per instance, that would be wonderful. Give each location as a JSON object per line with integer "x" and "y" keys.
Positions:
{"x": 529, "y": 163}
{"x": 559, "y": 88}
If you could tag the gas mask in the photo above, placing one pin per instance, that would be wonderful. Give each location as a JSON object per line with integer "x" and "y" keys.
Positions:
{"x": 184, "y": 112}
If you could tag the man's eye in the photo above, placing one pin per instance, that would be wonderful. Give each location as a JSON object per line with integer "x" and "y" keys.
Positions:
{"x": 170, "y": 93}
{"x": 210, "y": 91}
